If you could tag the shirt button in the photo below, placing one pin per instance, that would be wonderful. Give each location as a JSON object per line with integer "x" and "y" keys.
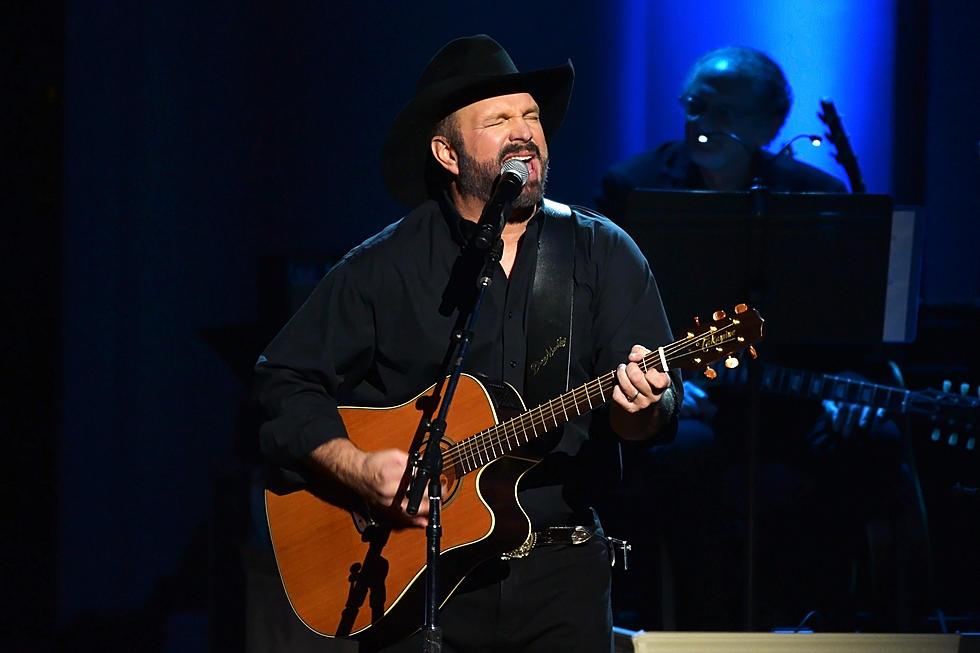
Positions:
{"x": 513, "y": 363}
{"x": 510, "y": 314}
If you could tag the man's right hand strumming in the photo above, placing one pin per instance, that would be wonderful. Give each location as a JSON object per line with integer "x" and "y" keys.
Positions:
{"x": 380, "y": 477}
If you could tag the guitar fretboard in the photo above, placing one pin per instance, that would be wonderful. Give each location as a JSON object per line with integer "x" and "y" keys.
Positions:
{"x": 720, "y": 339}
{"x": 486, "y": 446}
{"x": 804, "y": 383}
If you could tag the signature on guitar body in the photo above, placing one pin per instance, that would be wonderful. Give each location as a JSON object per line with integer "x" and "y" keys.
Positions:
{"x": 347, "y": 573}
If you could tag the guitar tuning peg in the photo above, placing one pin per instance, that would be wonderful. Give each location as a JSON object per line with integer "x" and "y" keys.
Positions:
{"x": 934, "y": 436}
{"x": 697, "y": 321}
{"x": 731, "y": 362}
{"x": 752, "y": 352}
{"x": 717, "y": 316}
{"x": 953, "y": 439}
{"x": 710, "y": 373}
{"x": 947, "y": 385}
{"x": 740, "y": 308}
{"x": 964, "y": 389}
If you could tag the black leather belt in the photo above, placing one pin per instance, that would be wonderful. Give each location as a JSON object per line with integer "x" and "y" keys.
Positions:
{"x": 554, "y": 535}
{"x": 573, "y": 535}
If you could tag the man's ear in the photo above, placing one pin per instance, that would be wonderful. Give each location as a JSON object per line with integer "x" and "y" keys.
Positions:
{"x": 444, "y": 153}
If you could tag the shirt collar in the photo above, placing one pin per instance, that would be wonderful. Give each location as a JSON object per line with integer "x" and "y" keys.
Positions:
{"x": 462, "y": 230}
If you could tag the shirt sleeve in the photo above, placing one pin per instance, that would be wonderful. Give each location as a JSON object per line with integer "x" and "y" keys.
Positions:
{"x": 323, "y": 350}
{"x": 627, "y": 308}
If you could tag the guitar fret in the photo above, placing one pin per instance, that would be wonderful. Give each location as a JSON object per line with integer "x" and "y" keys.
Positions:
{"x": 511, "y": 433}
{"x": 458, "y": 451}
{"x": 519, "y": 431}
{"x": 795, "y": 382}
{"x": 839, "y": 390}
{"x": 468, "y": 452}
{"x": 816, "y": 386}
{"x": 806, "y": 383}
{"x": 500, "y": 438}
{"x": 866, "y": 393}
{"x": 476, "y": 447}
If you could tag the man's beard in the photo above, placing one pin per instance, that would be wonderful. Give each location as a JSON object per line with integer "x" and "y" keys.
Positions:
{"x": 476, "y": 177}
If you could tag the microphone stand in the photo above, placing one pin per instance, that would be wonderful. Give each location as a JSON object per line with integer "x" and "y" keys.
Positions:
{"x": 757, "y": 225}
{"x": 758, "y": 229}
{"x": 428, "y": 467}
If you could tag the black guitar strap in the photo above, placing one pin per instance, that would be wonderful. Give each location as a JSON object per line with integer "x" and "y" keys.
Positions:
{"x": 549, "y": 334}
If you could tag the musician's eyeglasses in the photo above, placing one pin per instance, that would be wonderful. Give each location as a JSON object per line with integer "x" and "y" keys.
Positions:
{"x": 721, "y": 114}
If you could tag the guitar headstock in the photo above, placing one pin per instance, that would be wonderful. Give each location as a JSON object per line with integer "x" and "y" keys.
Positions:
{"x": 828, "y": 115}
{"x": 720, "y": 339}
{"x": 954, "y": 415}
{"x": 844, "y": 154}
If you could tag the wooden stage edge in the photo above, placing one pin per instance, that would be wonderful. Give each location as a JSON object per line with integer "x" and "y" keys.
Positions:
{"x": 690, "y": 642}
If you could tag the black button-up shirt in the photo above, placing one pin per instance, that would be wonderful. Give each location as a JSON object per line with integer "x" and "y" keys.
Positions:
{"x": 377, "y": 328}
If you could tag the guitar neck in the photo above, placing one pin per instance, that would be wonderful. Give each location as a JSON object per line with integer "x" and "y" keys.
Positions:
{"x": 486, "y": 446}
{"x": 814, "y": 385}
{"x": 723, "y": 337}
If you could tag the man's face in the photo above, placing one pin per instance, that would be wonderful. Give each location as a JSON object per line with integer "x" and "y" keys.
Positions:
{"x": 720, "y": 99}
{"x": 493, "y": 131}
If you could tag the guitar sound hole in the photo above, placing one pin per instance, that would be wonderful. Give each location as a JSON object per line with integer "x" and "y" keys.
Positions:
{"x": 451, "y": 486}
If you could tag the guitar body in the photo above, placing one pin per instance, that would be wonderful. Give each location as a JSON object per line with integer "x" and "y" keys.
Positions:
{"x": 348, "y": 575}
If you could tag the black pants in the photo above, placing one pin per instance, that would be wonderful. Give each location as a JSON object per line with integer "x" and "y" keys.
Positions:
{"x": 556, "y": 599}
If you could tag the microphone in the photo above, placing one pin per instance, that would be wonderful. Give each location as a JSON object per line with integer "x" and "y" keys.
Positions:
{"x": 705, "y": 137}
{"x": 757, "y": 187}
{"x": 508, "y": 185}
{"x": 754, "y": 155}
{"x": 815, "y": 141}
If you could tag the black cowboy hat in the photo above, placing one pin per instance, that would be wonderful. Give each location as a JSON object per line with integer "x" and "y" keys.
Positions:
{"x": 464, "y": 71}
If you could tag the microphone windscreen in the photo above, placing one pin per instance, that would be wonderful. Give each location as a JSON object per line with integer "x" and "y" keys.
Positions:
{"x": 517, "y": 167}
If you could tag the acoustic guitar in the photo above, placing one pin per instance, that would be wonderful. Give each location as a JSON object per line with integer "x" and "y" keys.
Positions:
{"x": 346, "y": 572}
{"x": 953, "y": 417}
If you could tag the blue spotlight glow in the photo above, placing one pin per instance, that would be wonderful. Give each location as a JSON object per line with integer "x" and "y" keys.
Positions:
{"x": 831, "y": 48}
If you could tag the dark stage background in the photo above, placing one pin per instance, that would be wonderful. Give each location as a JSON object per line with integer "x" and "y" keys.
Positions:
{"x": 165, "y": 161}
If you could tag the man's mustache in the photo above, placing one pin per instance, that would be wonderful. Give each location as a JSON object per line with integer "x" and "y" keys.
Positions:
{"x": 519, "y": 149}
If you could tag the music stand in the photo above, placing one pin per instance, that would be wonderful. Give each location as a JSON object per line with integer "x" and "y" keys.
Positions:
{"x": 833, "y": 267}
{"x": 822, "y": 268}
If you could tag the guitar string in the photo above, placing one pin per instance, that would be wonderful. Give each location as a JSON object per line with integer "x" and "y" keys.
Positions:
{"x": 490, "y": 440}
{"x": 495, "y": 437}
{"x": 473, "y": 446}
